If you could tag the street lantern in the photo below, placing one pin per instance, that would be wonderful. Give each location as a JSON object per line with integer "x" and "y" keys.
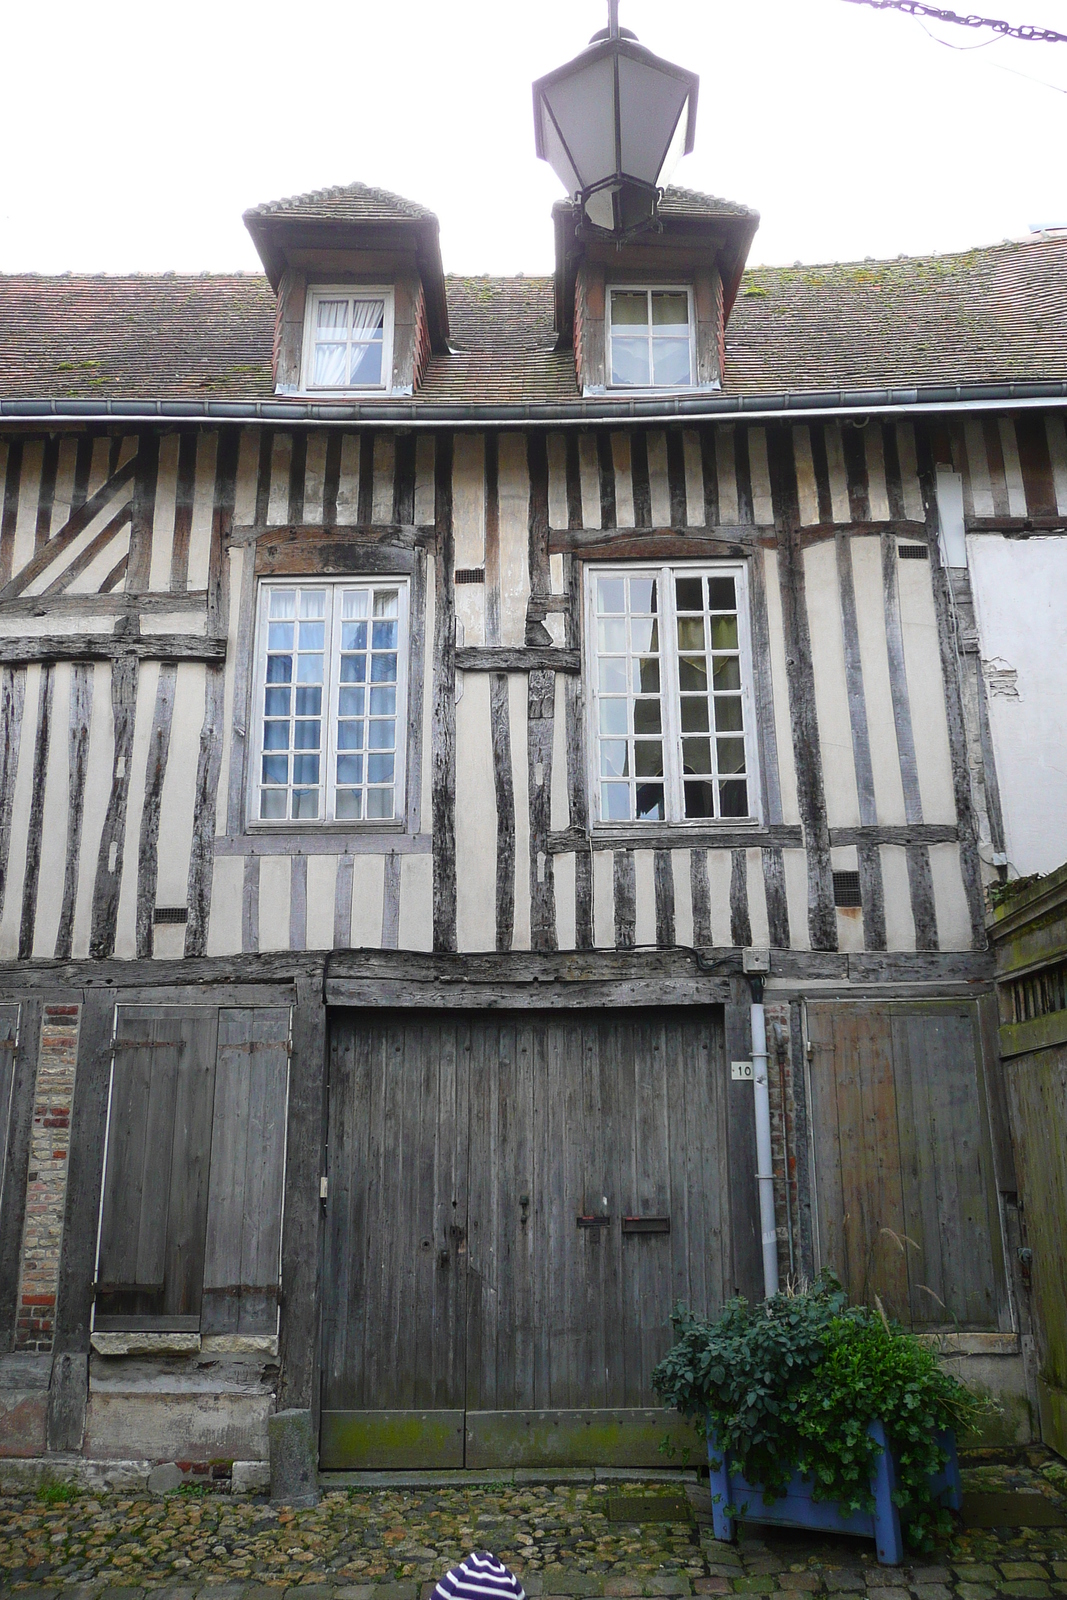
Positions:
{"x": 612, "y": 123}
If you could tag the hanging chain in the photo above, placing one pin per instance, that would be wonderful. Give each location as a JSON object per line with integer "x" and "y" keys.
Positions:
{"x": 914, "y": 8}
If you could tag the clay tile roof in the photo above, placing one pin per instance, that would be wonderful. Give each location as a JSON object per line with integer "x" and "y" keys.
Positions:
{"x": 350, "y": 202}
{"x": 982, "y": 316}
{"x": 690, "y": 203}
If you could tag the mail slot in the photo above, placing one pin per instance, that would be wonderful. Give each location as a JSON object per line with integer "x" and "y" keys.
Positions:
{"x": 593, "y": 1222}
{"x": 646, "y": 1224}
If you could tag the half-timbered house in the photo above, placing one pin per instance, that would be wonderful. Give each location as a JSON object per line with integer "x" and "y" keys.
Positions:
{"x": 432, "y": 712}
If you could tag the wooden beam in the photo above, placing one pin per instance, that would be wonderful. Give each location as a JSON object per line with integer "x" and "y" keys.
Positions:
{"x": 107, "y": 647}
{"x": 661, "y": 836}
{"x": 515, "y": 658}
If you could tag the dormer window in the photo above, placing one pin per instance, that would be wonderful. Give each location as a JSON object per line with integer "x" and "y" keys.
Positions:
{"x": 650, "y": 335}
{"x": 348, "y": 339}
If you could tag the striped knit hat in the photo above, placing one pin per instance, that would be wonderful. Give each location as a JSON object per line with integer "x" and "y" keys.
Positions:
{"x": 480, "y": 1577}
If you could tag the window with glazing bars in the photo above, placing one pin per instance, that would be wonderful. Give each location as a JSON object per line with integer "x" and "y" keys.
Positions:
{"x": 348, "y": 339}
{"x": 650, "y": 333}
{"x": 669, "y": 669}
{"x": 331, "y": 691}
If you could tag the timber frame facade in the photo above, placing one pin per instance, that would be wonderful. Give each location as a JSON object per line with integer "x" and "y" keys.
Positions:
{"x": 489, "y": 978}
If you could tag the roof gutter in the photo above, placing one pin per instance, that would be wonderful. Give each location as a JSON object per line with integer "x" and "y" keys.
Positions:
{"x": 577, "y": 413}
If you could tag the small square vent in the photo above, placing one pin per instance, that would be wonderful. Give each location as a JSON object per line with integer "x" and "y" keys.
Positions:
{"x": 163, "y": 914}
{"x": 913, "y": 552}
{"x": 847, "y": 889}
{"x": 470, "y": 574}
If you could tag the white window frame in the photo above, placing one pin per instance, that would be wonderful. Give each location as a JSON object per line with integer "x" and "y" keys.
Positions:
{"x": 670, "y": 697}
{"x": 349, "y": 291}
{"x": 648, "y": 289}
{"x": 331, "y": 687}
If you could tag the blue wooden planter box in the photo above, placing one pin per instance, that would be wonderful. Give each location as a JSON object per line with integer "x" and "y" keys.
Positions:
{"x": 798, "y": 1509}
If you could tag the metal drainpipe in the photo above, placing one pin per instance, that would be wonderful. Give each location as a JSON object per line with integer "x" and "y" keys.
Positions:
{"x": 764, "y": 1158}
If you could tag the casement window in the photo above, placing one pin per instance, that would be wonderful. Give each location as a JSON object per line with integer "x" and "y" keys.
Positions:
{"x": 191, "y": 1209}
{"x": 669, "y": 667}
{"x": 650, "y": 338}
{"x": 331, "y": 689}
{"x": 348, "y": 339}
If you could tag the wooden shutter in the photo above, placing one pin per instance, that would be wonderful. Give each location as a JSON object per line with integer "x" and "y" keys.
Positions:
{"x": 9, "y": 1029}
{"x": 154, "y": 1217}
{"x": 241, "y": 1265}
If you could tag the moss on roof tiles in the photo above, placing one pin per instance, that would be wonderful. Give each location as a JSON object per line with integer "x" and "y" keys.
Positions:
{"x": 992, "y": 315}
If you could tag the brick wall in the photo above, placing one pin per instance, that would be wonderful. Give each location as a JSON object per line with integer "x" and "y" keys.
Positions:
{"x": 46, "y": 1187}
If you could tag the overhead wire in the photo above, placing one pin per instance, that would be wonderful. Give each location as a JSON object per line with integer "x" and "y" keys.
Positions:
{"x": 1029, "y": 33}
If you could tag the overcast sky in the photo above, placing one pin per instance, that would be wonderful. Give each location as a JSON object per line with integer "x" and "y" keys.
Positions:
{"x": 137, "y": 132}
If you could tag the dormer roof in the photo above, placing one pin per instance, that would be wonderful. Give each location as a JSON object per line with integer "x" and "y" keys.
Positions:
{"x": 685, "y": 216}
{"x": 353, "y": 217}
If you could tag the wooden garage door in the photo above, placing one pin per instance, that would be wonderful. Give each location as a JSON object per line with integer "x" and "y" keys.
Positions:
{"x": 514, "y": 1203}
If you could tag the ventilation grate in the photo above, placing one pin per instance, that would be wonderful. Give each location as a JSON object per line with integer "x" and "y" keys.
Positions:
{"x": 170, "y": 914}
{"x": 847, "y": 889}
{"x": 913, "y": 552}
{"x": 470, "y": 574}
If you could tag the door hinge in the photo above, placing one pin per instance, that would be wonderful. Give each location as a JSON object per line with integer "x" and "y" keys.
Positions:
{"x": 323, "y": 1187}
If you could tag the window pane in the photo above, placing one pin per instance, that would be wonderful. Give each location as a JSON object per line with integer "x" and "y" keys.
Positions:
{"x": 611, "y": 636}
{"x": 699, "y": 799}
{"x": 349, "y": 805}
{"x": 724, "y": 633}
{"x": 643, "y": 596}
{"x": 275, "y": 769}
{"x": 731, "y": 754}
{"x": 350, "y": 769}
{"x": 350, "y": 702}
{"x": 692, "y": 672}
{"x": 276, "y": 735}
{"x": 386, "y": 603}
{"x": 366, "y": 363}
{"x": 629, "y": 360}
{"x": 610, "y": 595}
{"x": 670, "y": 310}
{"x": 280, "y": 636}
{"x": 380, "y": 769}
{"x": 689, "y": 594}
{"x": 384, "y": 636}
{"x": 383, "y": 669}
{"x": 644, "y": 634}
{"x": 282, "y": 603}
{"x": 733, "y": 798}
{"x": 615, "y": 802}
{"x": 612, "y": 675}
{"x": 646, "y": 675}
{"x": 722, "y": 594}
{"x": 648, "y": 758}
{"x": 694, "y": 714}
{"x": 306, "y": 805}
{"x": 353, "y": 636}
{"x": 305, "y": 769}
{"x": 382, "y": 735}
{"x": 272, "y": 805}
{"x": 650, "y": 802}
{"x": 312, "y": 603}
{"x": 728, "y": 718}
{"x": 691, "y": 633}
{"x": 613, "y": 716}
{"x": 332, "y": 314}
{"x": 670, "y": 359}
{"x": 329, "y": 369}
{"x": 277, "y": 702}
{"x": 380, "y": 803}
{"x": 350, "y": 736}
{"x": 279, "y": 669}
{"x": 354, "y": 603}
{"x": 307, "y": 736}
{"x": 309, "y": 669}
{"x": 696, "y": 756}
{"x": 312, "y": 636}
{"x": 629, "y": 309}
{"x": 614, "y": 761}
{"x": 726, "y": 673}
{"x": 353, "y": 669}
{"x": 382, "y": 702}
{"x": 646, "y": 716}
{"x": 308, "y": 702}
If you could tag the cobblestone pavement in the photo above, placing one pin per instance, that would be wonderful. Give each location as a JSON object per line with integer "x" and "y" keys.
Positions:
{"x": 390, "y": 1544}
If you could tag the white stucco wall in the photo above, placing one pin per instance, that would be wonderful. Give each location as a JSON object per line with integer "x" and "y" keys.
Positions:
{"x": 1020, "y": 596}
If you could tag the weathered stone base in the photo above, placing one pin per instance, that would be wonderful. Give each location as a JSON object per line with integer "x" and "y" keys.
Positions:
{"x": 183, "y": 1409}
{"x": 17, "y": 1475}
{"x": 24, "y": 1403}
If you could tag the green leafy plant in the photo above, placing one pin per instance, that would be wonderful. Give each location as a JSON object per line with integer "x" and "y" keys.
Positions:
{"x": 791, "y": 1384}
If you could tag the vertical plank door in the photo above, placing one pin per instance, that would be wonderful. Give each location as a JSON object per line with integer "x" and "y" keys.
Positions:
{"x": 905, "y": 1192}
{"x": 598, "y": 1197}
{"x": 394, "y": 1292}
